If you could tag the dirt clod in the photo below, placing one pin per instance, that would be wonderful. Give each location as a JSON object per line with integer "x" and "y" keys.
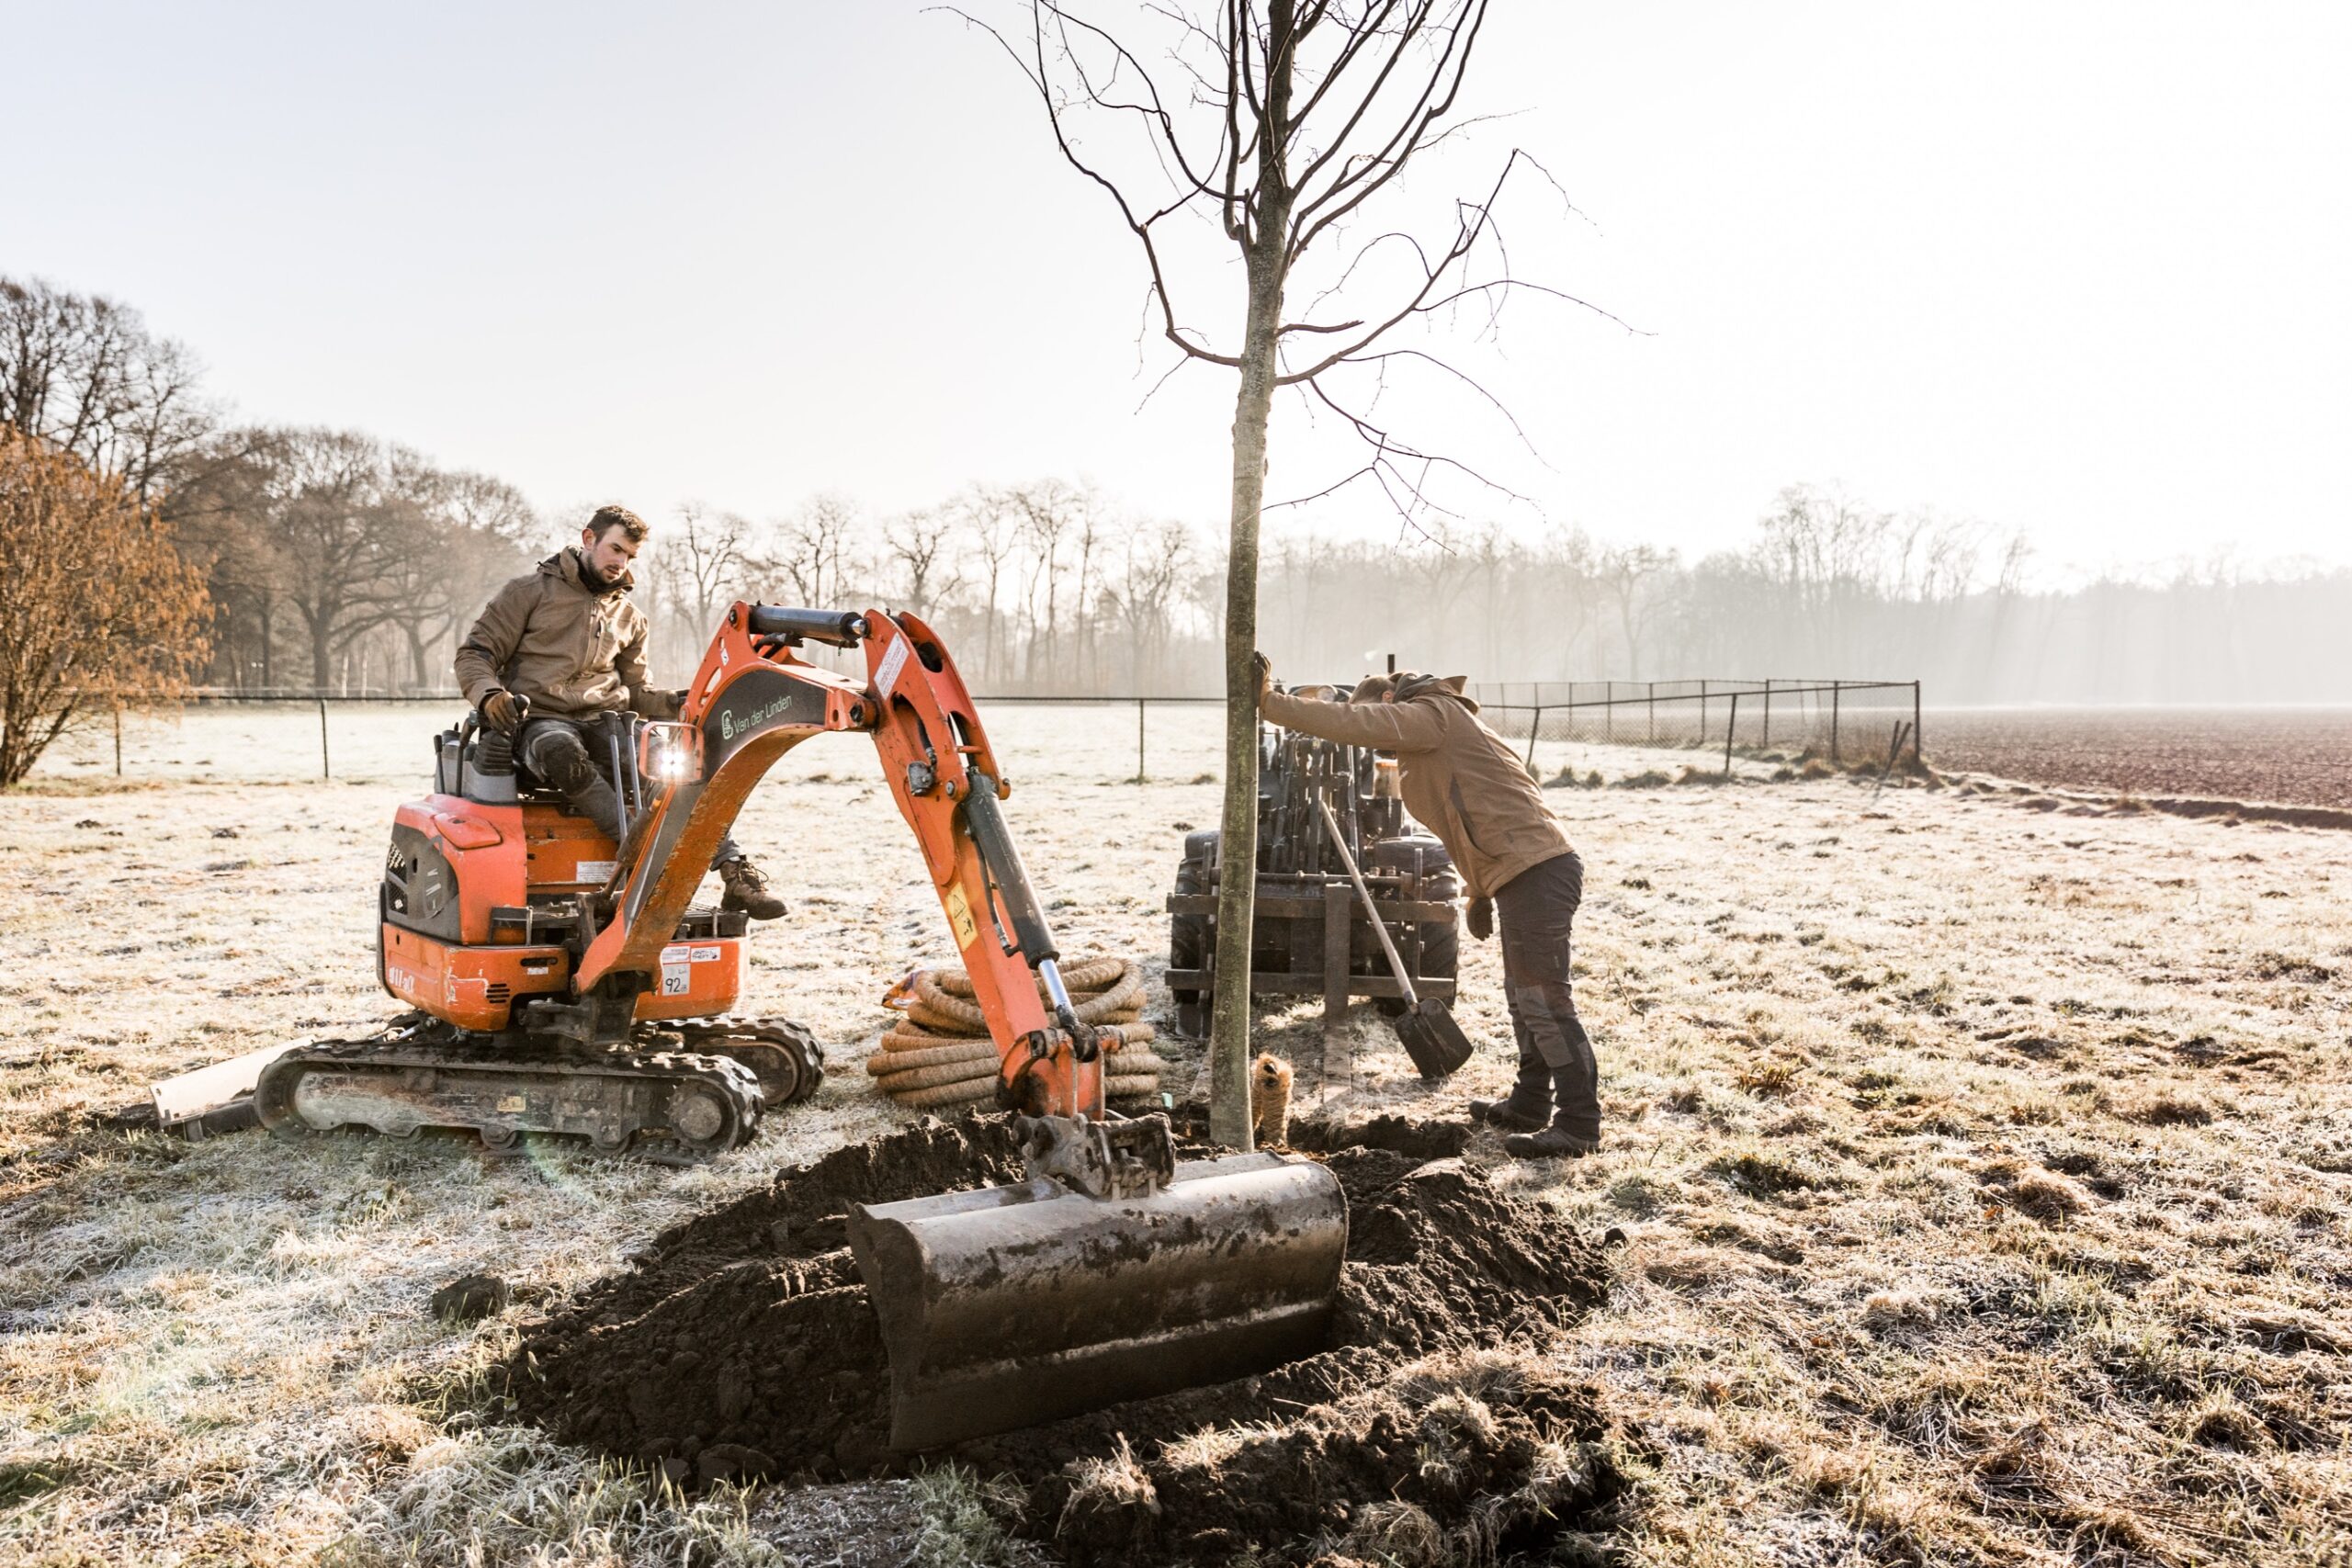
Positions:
{"x": 741, "y": 1345}
{"x": 471, "y": 1298}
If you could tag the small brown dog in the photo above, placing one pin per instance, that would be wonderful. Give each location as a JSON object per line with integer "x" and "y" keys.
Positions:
{"x": 1270, "y": 1100}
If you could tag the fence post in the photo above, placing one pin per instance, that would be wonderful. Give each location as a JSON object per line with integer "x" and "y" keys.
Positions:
{"x": 1702, "y": 713}
{"x": 1652, "y": 713}
{"x": 325, "y": 771}
{"x": 118, "y": 739}
{"x": 1138, "y": 740}
{"x": 1728, "y": 728}
{"x": 1608, "y": 711}
{"x": 1533, "y": 725}
{"x": 1835, "y": 687}
{"x": 1766, "y": 743}
{"x": 1915, "y": 721}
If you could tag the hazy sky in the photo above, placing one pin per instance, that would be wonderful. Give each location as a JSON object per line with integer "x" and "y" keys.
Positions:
{"x": 2074, "y": 269}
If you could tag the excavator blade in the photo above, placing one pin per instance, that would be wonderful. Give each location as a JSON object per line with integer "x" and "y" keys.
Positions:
{"x": 1009, "y": 1307}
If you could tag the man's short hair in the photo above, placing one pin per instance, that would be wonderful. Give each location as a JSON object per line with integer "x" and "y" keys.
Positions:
{"x": 1372, "y": 688}
{"x": 619, "y": 517}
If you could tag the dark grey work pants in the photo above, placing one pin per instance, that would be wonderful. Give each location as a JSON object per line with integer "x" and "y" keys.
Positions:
{"x": 1557, "y": 1070}
{"x": 556, "y": 750}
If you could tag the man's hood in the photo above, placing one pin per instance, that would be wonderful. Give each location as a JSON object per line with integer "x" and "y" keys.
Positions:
{"x": 1412, "y": 684}
{"x": 568, "y": 565}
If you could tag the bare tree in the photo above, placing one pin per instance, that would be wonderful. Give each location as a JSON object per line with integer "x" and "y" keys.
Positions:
{"x": 700, "y": 563}
{"x": 813, "y": 552}
{"x": 83, "y": 375}
{"x": 1293, "y": 116}
{"x": 993, "y": 526}
{"x": 1146, "y": 598}
{"x": 1050, "y": 511}
{"x": 1629, "y": 572}
{"x": 97, "y": 608}
{"x": 921, "y": 546}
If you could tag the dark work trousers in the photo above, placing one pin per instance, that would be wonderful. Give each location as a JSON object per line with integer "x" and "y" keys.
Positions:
{"x": 1533, "y": 910}
{"x": 558, "y": 753}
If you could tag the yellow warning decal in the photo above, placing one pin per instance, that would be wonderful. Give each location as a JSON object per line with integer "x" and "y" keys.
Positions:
{"x": 959, "y": 915}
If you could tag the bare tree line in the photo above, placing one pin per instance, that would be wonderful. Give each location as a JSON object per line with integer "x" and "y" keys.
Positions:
{"x": 337, "y": 560}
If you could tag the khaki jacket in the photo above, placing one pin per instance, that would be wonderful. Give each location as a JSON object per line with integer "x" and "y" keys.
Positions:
{"x": 574, "y": 649}
{"x": 1460, "y": 779}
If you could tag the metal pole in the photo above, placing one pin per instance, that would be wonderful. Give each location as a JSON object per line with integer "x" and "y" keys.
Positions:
{"x": 1727, "y": 733}
{"x": 1915, "y": 721}
{"x": 1835, "y": 688}
{"x": 1652, "y": 713}
{"x": 325, "y": 771}
{"x": 1138, "y": 740}
{"x": 1766, "y": 742}
{"x": 1609, "y": 712}
{"x": 117, "y": 740}
{"x": 1702, "y": 713}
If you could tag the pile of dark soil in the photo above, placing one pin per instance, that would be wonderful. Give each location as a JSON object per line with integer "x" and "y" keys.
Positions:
{"x": 741, "y": 1344}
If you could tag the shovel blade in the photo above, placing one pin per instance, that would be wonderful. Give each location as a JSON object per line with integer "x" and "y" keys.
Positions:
{"x": 1432, "y": 1038}
{"x": 1009, "y": 1307}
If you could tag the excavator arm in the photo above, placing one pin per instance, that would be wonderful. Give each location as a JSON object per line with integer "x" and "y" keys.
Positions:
{"x": 1113, "y": 1272}
{"x": 752, "y": 700}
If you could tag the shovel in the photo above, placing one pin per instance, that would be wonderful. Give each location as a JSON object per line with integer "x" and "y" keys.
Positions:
{"x": 1428, "y": 1031}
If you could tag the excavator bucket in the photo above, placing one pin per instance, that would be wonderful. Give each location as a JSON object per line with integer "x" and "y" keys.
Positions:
{"x": 1009, "y": 1307}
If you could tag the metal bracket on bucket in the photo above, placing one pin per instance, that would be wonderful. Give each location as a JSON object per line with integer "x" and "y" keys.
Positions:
{"x": 1102, "y": 1160}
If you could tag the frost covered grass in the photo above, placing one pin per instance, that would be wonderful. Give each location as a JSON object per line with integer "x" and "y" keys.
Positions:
{"x": 1984, "y": 1166}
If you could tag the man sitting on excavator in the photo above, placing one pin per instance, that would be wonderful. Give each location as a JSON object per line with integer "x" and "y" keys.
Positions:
{"x": 1465, "y": 784}
{"x": 566, "y": 637}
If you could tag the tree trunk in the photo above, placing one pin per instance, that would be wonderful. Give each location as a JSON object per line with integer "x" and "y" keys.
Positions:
{"x": 1238, "y": 842}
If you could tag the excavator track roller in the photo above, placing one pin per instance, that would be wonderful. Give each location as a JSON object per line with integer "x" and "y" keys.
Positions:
{"x": 1006, "y": 1307}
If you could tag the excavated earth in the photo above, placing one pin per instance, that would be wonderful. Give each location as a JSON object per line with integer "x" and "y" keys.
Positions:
{"x": 740, "y": 1345}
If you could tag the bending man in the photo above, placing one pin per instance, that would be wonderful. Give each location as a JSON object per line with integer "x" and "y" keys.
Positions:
{"x": 1465, "y": 785}
{"x": 568, "y": 638}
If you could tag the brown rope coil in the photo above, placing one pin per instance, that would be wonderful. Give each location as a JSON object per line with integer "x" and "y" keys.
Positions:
{"x": 937, "y": 1052}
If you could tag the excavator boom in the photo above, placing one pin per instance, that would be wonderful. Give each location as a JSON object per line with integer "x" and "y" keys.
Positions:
{"x": 1113, "y": 1272}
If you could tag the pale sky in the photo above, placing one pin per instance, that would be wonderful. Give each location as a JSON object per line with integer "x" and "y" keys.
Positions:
{"x": 2074, "y": 269}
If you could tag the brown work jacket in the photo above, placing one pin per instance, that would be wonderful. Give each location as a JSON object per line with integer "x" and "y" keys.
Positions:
{"x": 573, "y": 648}
{"x": 1460, "y": 779}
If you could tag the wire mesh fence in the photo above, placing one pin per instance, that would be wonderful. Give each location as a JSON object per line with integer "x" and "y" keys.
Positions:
{"x": 282, "y": 736}
{"x": 1830, "y": 718}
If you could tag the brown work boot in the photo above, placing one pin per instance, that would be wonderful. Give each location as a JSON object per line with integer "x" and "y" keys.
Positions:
{"x": 747, "y": 890}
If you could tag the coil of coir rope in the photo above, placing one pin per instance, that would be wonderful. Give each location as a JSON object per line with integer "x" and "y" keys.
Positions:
{"x": 938, "y": 1052}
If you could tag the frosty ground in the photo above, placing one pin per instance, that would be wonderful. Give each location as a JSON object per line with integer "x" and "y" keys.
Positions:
{"x": 1983, "y": 1161}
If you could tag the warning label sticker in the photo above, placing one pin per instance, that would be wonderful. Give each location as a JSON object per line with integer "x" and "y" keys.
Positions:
{"x": 892, "y": 662}
{"x": 594, "y": 871}
{"x": 706, "y": 955}
{"x": 959, "y": 912}
{"x": 675, "y": 954}
{"x": 676, "y": 979}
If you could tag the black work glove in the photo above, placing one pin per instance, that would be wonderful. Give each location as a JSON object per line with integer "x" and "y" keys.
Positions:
{"x": 1263, "y": 669}
{"x": 1480, "y": 918}
{"x": 502, "y": 712}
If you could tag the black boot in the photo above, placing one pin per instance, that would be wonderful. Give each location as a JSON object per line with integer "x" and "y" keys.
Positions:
{"x": 1554, "y": 1142}
{"x": 1527, "y": 1106}
{"x": 747, "y": 890}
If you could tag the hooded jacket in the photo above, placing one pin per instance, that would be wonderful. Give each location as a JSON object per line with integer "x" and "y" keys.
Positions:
{"x": 1460, "y": 779}
{"x": 575, "y": 649}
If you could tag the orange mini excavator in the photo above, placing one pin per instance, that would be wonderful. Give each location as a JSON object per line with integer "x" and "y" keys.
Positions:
{"x": 565, "y": 985}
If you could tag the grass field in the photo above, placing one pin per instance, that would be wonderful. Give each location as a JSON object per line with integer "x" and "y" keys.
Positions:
{"x": 1984, "y": 1171}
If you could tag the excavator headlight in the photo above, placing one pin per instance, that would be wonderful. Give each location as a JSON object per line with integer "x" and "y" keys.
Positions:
{"x": 670, "y": 753}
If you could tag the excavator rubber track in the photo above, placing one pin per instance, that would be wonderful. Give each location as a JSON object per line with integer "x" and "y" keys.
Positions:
{"x": 785, "y": 1057}
{"x": 668, "y": 1107}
